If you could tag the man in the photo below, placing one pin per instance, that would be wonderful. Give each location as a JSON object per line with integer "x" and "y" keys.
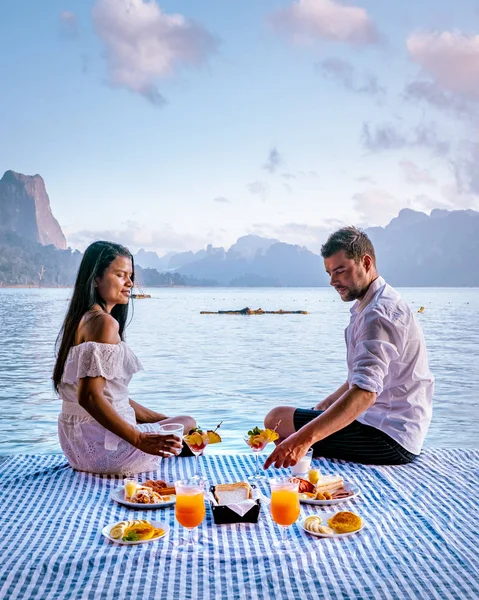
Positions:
{"x": 381, "y": 414}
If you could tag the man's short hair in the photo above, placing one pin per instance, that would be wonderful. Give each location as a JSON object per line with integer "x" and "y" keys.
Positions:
{"x": 354, "y": 242}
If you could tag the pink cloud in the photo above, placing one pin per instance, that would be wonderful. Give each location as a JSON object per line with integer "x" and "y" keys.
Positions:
{"x": 307, "y": 21}
{"x": 450, "y": 58}
{"x": 144, "y": 44}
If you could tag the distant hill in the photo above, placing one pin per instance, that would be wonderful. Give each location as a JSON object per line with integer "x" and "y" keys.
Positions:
{"x": 415, "y": 249}
{"x": 25, "y": 210}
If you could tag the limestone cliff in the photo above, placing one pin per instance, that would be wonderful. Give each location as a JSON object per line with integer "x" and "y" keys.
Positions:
{"x": 25, "y": 210}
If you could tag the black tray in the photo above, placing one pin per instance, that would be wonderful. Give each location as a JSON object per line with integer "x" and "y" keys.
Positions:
{"x": 222, "y": 515}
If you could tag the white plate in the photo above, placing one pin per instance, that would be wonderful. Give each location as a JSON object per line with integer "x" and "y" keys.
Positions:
{"x": 325, "y": 518}
{"x": 347, "y": 486}
{"x": 118, "y": 495}
{"x": 157, "y": 524}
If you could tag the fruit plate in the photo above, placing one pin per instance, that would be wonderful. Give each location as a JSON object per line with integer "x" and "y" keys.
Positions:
{"x": 325, "y": 518}
{"x": 347, "y": 486}
{"x": 118, "y": 495}
{"x": 156, "y": 524}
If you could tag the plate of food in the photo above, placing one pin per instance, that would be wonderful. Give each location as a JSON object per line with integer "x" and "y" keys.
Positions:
{"x": 151, "y": 494}
{"x": 129, "y": 533}
{"x": 333, "y": 525}
{"x": 326, "y": 490}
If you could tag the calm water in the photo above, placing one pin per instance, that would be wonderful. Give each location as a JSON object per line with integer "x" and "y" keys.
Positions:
{"x": 231, "y": 368}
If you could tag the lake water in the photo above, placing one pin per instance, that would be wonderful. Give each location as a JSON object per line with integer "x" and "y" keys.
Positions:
{"x": 231, "y": 368}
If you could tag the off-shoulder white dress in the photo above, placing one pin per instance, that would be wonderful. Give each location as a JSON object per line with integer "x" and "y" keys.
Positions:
{"x": 87, "y": 445}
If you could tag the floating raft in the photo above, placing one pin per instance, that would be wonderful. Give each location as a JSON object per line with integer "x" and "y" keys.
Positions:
{"x": 250, "y": 311}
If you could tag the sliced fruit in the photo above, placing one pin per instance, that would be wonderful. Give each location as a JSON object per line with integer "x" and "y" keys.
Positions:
{"x": 213, "y": 437}
{"x": 314, "y": 476}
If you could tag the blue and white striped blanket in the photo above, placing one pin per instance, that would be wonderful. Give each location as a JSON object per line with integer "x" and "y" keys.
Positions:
{"x": 420, "y": 541}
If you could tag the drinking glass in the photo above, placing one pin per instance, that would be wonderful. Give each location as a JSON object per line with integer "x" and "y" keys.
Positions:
{"x": 257, "y": 447}
{"x": 130, "y": 486}
{"x": 302, "y": 466}
{"x": 284, "y": 507}
{"x": 197, "y": 447}
{"x": 176, "y": 429}
{"x": 190, "y": 510}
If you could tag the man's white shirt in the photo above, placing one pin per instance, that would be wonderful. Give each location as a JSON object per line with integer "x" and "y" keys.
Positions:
{"x": 386, "y": 354}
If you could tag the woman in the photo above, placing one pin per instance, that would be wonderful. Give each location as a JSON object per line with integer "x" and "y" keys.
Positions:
{"x": 100, "y": 429}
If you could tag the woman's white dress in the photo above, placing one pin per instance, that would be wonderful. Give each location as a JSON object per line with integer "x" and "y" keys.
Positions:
{"x": 87, "y": 445}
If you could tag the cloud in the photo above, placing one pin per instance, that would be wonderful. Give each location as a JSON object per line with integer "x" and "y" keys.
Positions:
{"x": 344, "y": 73}
{"x": 413, "y": 174}
{"x": 69, "y": 23}
{"x": 274, "y": 161}
{"x": 430, "y": 92}
{"x": 288, "y": 176}
{"x": 221, "y": 200}
{"x": 258, "y": 188}
{"x": 309, "y": 21}
{"x": 466, "y": 169}
{"x": 376, "y": 207}
{"x": 144, "y": 44}
{"x": 135, "y": 236}
{"x": 426, "y": 203}
{"x": 387, "y": 137}
{"x": 451, "y": 58}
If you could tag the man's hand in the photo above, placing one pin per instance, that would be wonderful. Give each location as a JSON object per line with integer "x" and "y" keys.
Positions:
{"x": 288, "y": 453}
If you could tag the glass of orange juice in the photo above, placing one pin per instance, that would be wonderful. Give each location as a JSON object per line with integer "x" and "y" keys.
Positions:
{"x": 190, "y": 509}
{"x": 284, "y": 507}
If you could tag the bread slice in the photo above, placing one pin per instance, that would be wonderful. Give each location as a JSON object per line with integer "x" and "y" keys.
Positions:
{"x": 231, "y": 493}
{"x": 328, "y": 483}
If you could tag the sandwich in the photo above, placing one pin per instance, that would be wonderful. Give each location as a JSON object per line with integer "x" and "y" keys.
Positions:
{"x": 328, "y": 483}
{"x": 232, "y": 493}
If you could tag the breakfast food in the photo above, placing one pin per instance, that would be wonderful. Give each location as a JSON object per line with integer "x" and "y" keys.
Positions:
{"x": 341, "y": 493}
{"x": 323, "y": 496}
{"x": 304, "y": 485}
{"x": 118, "y": 530}
{"x": 160, "y": 486}
{"x": 313, "y": 519}
{"x": 328, "y": 483}
{"x": 307, "y": 496}
{"x": 232, "y": 493}
{"x": 314, "y": 476}
{"x": 134, "y": 531}
{"x": 314, "y": 524}
{"x": 197, "y": 439}
{"x": 148, "y": 496}
{"x": 258, "y": 438}
{"x": 345, "y": 522}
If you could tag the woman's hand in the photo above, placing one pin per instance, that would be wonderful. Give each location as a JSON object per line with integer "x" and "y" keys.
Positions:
{"x": 159, "y": 444}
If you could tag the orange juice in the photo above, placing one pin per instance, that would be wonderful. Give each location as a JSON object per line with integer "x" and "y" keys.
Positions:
{"x": 284, "y": 506}
{"x": 190, "y": 509}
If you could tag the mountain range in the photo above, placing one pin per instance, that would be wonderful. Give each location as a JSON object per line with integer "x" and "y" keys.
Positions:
{"x": 414, "y": 249}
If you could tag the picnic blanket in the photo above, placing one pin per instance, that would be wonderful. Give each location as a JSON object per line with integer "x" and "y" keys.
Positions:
{"x": 420, "y": 538}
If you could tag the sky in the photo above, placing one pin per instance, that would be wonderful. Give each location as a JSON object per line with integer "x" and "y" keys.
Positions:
{"x": 171, "y": 125}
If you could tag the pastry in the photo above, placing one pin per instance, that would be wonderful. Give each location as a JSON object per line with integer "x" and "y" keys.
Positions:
{"x": 345, "y": 522}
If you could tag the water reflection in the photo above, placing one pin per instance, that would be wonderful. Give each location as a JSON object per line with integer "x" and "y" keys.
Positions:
{"x": 231, "y": 368}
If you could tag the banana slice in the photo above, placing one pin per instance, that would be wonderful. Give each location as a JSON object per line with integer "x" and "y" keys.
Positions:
{"x": 118, "y": 530}
{"x": 312, "y": 522}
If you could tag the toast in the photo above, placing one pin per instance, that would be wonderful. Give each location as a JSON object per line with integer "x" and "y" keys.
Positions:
{"x": 232, "y": 493}
{"x": 329, "y": 483}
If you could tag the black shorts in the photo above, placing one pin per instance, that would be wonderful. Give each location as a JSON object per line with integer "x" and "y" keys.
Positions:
{"x": 356, "y": 443}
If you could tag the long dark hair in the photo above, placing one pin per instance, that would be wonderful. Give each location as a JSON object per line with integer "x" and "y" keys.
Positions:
{"x": 97, "y": 258}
